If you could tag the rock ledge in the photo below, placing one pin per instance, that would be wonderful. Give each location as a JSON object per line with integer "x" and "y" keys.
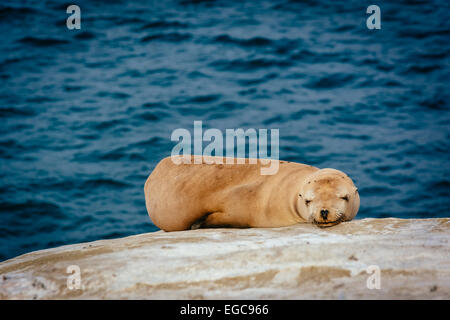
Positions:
{"x": 296, "y": 262}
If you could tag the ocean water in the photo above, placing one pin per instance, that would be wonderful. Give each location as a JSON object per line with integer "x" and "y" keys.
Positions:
{"x": 87, "y": 114}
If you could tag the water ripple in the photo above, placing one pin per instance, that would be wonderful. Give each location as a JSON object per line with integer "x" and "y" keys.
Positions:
{"x": 87, "y": 114}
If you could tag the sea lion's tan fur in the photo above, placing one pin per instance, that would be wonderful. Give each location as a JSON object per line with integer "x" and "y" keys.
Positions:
{"x": 182, "y": 196}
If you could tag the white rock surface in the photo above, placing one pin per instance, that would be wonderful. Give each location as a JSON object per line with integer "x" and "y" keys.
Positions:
{"x": 296, "y": 262}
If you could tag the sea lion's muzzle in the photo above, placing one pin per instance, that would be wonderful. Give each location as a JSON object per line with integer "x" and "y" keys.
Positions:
{"x": 325, "y": 219}
{"x": 325, "y": 224}
{"x": 324, "y": 214}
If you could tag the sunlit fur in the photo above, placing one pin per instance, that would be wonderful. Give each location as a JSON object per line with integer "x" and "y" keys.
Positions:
{"x": 331, "y": 190}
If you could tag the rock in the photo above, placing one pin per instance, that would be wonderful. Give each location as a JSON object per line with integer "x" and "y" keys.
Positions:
{"x": 296, "y": 262}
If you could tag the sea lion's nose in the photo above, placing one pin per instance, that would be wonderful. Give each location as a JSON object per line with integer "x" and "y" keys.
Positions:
{"x": 324, "y": 214}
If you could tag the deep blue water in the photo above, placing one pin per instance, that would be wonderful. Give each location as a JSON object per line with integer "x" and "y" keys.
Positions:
{"x": 86, "y": 114}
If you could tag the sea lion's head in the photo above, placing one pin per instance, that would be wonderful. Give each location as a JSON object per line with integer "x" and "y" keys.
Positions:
{"x": 328, "y": 197}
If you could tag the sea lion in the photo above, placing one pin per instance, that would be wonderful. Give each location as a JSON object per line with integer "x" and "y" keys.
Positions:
{"x": 192, "y": 195}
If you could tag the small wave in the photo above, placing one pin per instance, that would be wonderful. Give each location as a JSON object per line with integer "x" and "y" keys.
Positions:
{"x": 200, "y": 99}
{"x": 344, "y": 28}
{"x": 442, "y": 187}
{"x": 230, "y": 105}
{"x": 108, "y": 64}
{"x": 369, "y": 82}
{"x": 217, "y": 115}
{"x": 73, "y": 88}
{"x": 127, "y": 21}
{"x": 97, "y": 156}
{"x": 86, "y": 35}
{"x": 160, "y": 70}
{"x": 241, "y": 65}
{"x": 153, "y": 141}
{"x": 377, "y": 191}
{"x": 192, "y": 110}
{"x": 437, "y": 102}
{"x": 43, "y": 42}
{"x": 421, "y": 33}
{"x": 385, "y": 168}
{"x": 276, "y": 119}
{"x": 132, "y": 73}
{"x": 435, "y": 54}
{"x": 400, "y": 179}
{"x": 330, "y": 81}
{"x": 9, "y": 61}
{"x": 197, "y": 75}
{"x": 255, "y": 81}
{"x": 112, "y": 235}
{"x": 204, "y": 98}
{"x": 392, "y": 103}
{"x": 10, "y": 13}
{"x": 378, "y": 64}
{"x": 305, "y": 112}
{"x": 360, "y": 119}
{"x": 285, "y": 46}
{"x": 250, "y": 91}
{"x": 206, "y": 3}
{"x": 151, "y": 116}
{"x": 308, "y": 56}
{"x": 162, "y": 24}
{"x": 154, "y": 105}
{"x": 11, "y": 148}
{"x": 40, "y": 99}
{"x": 7, "y": 112}
{"x": 114, "y": 95}
{"x": 106, "y": 124}
{"x": 31, "y": 209}
{"x": 389, "y": 83}
{"x": 168, "y": 37}
{"x": 114, "y": 19}
{"x": 104, "y": 183}
{"x": 423, "y": 69}
{"x": 352, "y": 137}
{"x": 252, "y": 42}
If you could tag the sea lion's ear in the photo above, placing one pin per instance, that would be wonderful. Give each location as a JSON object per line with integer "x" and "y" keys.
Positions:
{"x": 356, "y": 190}
{"x": 300, "y": 195}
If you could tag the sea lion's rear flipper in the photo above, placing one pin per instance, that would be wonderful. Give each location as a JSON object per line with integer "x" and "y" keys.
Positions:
{"x": 217, "y": 219}
{"x": 212, "y": 220}
{"x": 200, "y": 223}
